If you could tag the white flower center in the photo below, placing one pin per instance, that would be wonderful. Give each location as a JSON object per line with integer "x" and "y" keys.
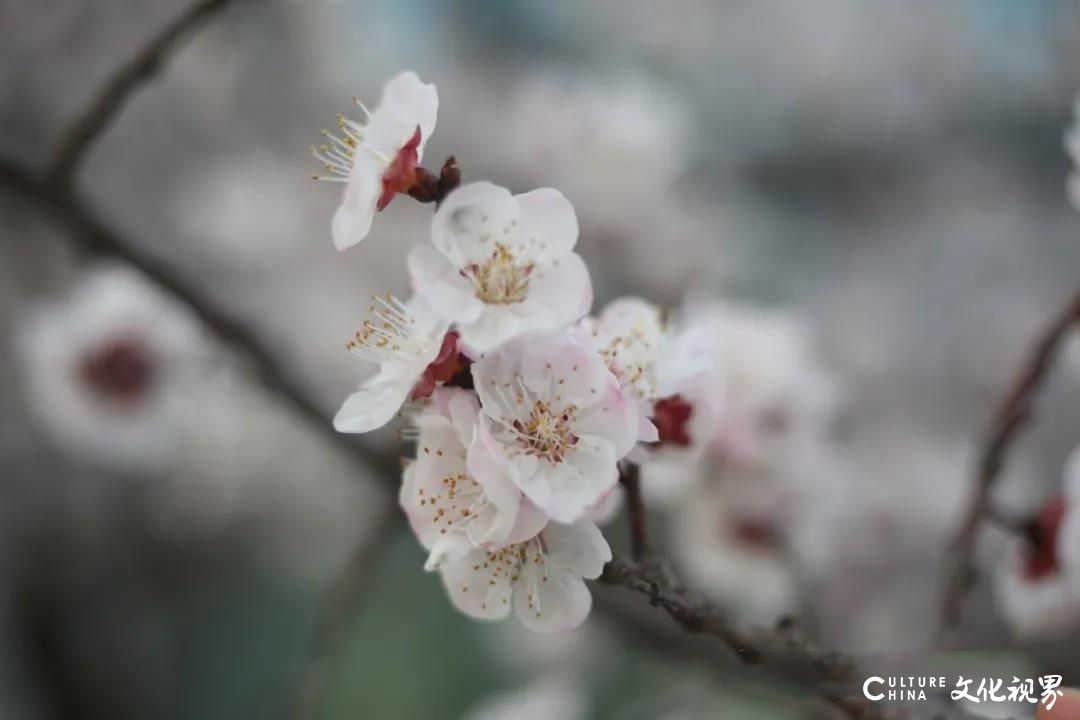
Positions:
{"x": 546, "y": 434}
{"x": 391, "y": 333}
{"x": 631, "y": 359}
{"x": 502, "y": 279}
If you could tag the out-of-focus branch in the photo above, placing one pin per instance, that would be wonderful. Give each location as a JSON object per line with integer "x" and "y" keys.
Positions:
{"x": 630, "y": 479}
{"x": 786, "y": 653}
{"x": 1011, "y": 418}
{"x": 90, "y": 234}
{"x": 142, "y": 67}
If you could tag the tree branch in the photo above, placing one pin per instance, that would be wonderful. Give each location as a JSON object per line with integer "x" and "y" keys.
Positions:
{"x": 121, "y": 85}
{"x": 630, "y": 479}
{"x": 1009, "y": 421}
{"x": 786, "y": 653}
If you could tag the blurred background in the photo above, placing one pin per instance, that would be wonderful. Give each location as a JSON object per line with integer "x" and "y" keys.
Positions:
{"x": 883, "y": 182}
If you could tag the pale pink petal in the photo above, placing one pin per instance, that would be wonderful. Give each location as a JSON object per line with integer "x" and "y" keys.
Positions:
{"x": 615, "y": 418}
{"x": 549, "y": 225}
{"x": 471, "y": 220}
{"x": 561, "y": 291}
{"x": 439, "y": 455}
{"x": 579, "y": 548}
{"x": 479, "y": 587}
{"x": 492, "y": 474}
{"x": 561, "y": 602}
{"x": 555, "y": 364}
{"x": 440, "y": 285}
{"x": 495, "y": 325}
{"x": 566, "y": 490}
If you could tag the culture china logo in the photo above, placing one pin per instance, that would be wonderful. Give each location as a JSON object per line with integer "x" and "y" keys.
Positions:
{"x": 1045, "y": 689}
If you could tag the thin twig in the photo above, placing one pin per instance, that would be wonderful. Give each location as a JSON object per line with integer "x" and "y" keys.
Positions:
{"x": 630, "y": 479}
{"x": 121, "y": 86}
{"x": 1009, "y": 421}
{"x": 786, "y": 652}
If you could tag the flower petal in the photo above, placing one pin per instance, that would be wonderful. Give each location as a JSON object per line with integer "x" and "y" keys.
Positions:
{"x": 450, "y": 548}
{"x": 548, "y": 223}
{"x": 441, "y": 286}
{"x": 374, "y": 404}
{"x": 559, "y": 602}
{"x": 615, "y": 418}
{"x": 495, "y": 325}
{"x": 561, "y": 292}
{"x": 406, "y": 103}
{"x": 479, "y": 585}
{"x": 556, "y": 364}
{"x": 494, "y": 477}
{"x": 566, "y": 490}
{"x": 422, "y": 495}
{"x": 579, "y": 548}
{"x": 470, "y": 221}
{"x": 353, "y": 218}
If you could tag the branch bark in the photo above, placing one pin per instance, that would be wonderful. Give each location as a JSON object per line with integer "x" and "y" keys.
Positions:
{"x": 630, "y": 479}
{"x": 122, "y": 85}
{"x": 1013, "y": 415}
{"x": 785, "y": 653}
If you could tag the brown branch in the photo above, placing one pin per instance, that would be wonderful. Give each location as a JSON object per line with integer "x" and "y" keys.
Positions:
{"x": 121, "y": 85}
{"x": 630, "y": 479}
{"x": 1012, "y": 417}
{"x": 784, "y": 651}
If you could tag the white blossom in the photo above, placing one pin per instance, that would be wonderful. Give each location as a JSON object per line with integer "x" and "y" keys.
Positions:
{"x": 729, "y": 539}
{"x": 501, "y": 265}
{"x": 767, "y": 388}
{"x": 109, "y": 372}
{"x": 378, "y": 158}
{"x": 556, "y": 420}
{"x": 542, "y": 579}
{"x": 402, "y": 338}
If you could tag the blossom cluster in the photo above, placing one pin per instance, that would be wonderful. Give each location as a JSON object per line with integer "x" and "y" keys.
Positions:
{"x": 522, "y": 405}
